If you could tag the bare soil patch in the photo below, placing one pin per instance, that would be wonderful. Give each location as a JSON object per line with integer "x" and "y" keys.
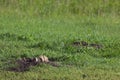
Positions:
{"x": 86, "y": 44}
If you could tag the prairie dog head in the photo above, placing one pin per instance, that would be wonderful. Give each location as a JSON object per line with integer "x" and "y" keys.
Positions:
{"x": 43, "y": 58}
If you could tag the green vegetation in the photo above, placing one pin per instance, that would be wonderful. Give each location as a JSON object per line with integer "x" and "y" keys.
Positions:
{"x": 60, "y": 7}
{"x": 49, "y": 27}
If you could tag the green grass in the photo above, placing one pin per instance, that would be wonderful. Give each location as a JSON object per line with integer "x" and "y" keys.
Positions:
{"x": 53, "y": 37}
{"x": 60, "y": 7}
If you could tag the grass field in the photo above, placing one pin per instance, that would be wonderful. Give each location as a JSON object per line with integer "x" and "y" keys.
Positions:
{"x": 20, "y": 37}
{"x": 23, "y": 35}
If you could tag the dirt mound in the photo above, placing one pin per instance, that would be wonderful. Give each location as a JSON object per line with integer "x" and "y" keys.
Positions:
{"x": 24, "y": 64}
{"x": 86, "y": 44}
{"x": 81, "y": 43}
